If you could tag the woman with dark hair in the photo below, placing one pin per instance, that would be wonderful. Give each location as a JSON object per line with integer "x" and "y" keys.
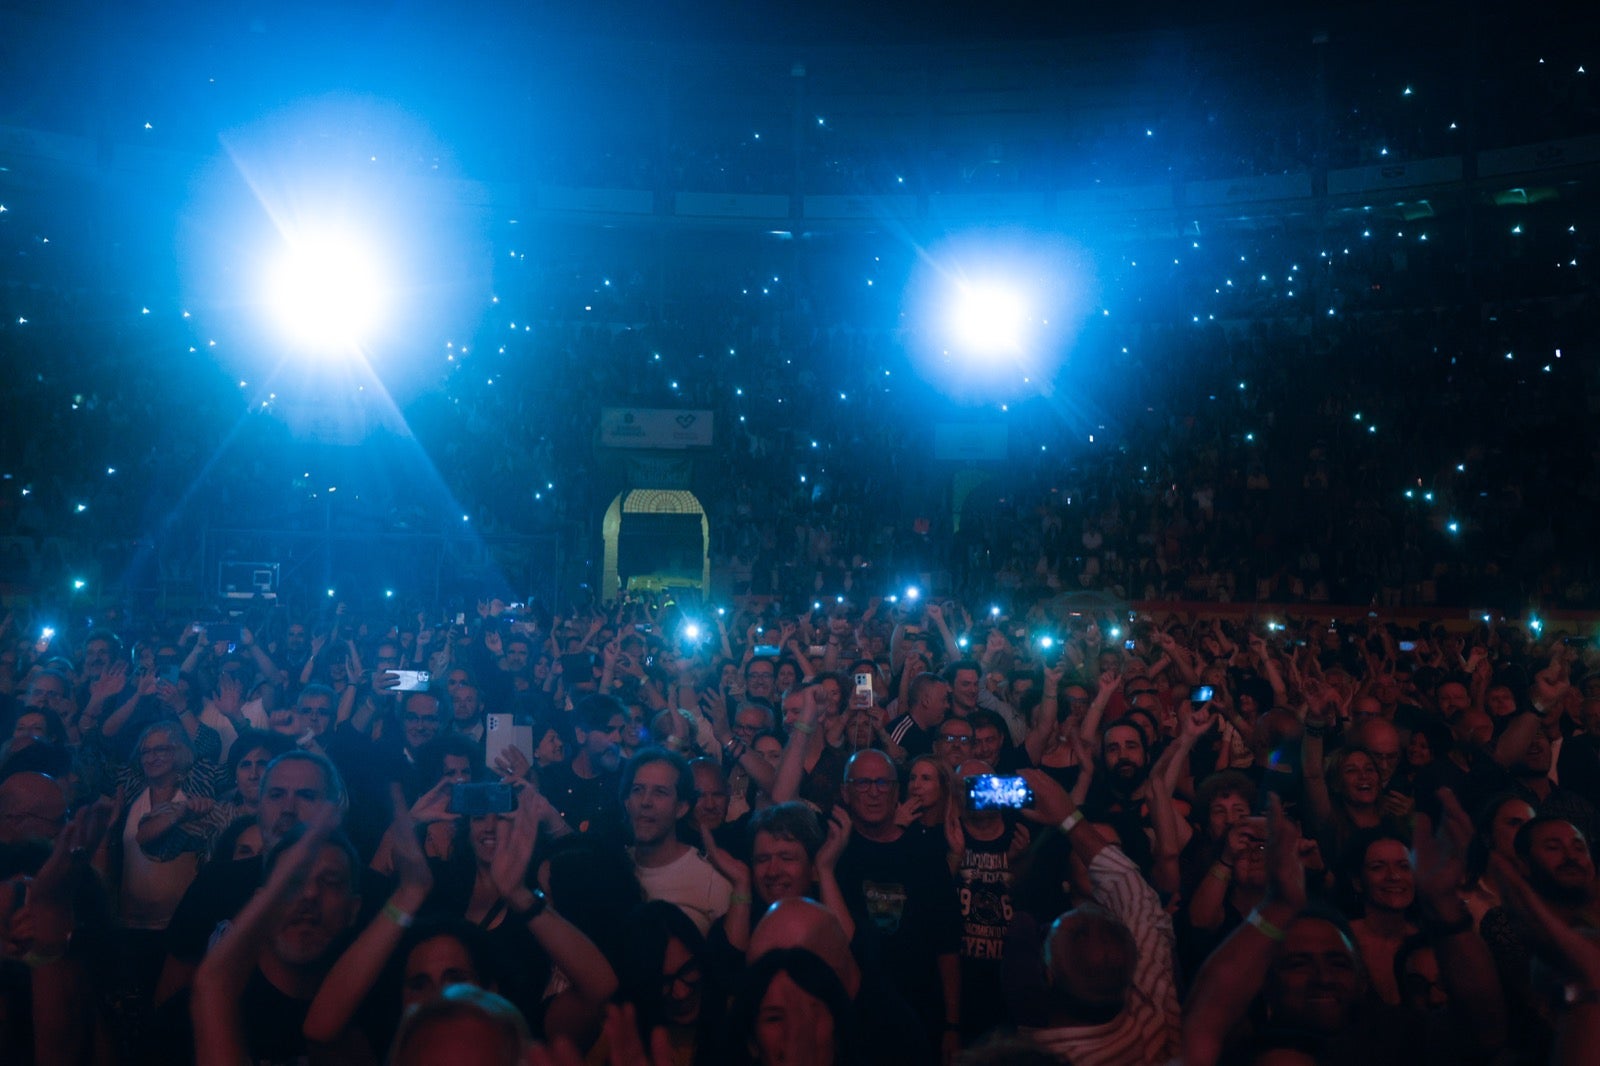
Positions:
{"x": 247, "y": 765}
{"x": 667, "y": 973}
{"x": 594, "y": 887}
{"x": 32, "y": 725}
{"x": 793, "y": 1010}
{"x": 1379, "y": 867}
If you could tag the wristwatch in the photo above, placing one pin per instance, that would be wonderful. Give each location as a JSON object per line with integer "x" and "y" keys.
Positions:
{"x": 532, "y": 910}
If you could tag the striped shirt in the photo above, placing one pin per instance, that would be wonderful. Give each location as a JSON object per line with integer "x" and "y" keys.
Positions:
{"x": 1147, "y": 1031}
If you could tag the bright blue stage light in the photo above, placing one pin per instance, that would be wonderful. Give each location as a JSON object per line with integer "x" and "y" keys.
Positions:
{"x": 994, "y": 313}
{"x": 989, "y": 319}
{"x": 326, "y": 290}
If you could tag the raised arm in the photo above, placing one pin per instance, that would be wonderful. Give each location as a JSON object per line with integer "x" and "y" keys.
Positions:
{"x": 62, "y": 994}
{"x": 222, "y": 976}
{"x": 593, "y": 981}
{"x": 1234, "y": 973}
{"x": 1089, "y": 727}
{"x": 358, "y": 969}
{"x": 1466, "y": 969}
{"x": 1319, "y": 711}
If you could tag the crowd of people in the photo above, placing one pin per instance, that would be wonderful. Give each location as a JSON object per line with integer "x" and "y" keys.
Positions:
{"x": 916, "y": 830}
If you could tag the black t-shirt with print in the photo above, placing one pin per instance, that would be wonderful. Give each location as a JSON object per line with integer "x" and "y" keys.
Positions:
{"x": 904, "y": 889}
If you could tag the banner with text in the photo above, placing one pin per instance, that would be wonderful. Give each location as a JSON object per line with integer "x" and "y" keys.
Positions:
{"x": 654, "y": 427}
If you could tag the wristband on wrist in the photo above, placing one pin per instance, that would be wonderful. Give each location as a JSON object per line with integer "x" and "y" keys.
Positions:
{"x": 1266, "y": 928}
{"x": 804, "y": 727}
{"x": 35, "y": 959}
{"x": 392, "y": 911}
{"x": 738, "y": 899}
{"x": 1070, "y": 822}
{"x": 1221, "y": 871}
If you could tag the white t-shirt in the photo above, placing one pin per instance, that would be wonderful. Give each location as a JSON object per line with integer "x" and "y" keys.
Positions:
{"x": 150, "y": 889}
{"x": 692, "y": 884}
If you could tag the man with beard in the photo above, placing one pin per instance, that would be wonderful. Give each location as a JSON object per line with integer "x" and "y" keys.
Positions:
{"x": 1554, "y": 856}
{"x": 289, "y": 932}
{"x": 584, "y": 790}
{"x": 1115, "y": 796}
{"x": 296, "y": 785}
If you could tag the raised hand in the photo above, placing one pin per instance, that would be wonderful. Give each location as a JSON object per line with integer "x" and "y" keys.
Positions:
{"x": 48, "y": 915}
{"x": 110, "y": 684}
{"x": 1197, "y": 721}
{"x": 736, "y": 872}
{"x": 511, "y": 762}
{"x": 230, "y": 695}
{"x": 411, "y": 866}
{"x": 518, "y": 832}
{"x": 1440, "y": 852}
{"x": 838, "y": 837}
{"x": 1286, "y": 876}
{"x": 1021, "y": 837}
{"x": 433, "y": 805}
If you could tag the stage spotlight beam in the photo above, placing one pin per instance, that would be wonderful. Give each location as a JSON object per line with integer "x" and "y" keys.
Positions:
{"x": 325, "y": 290}
{"x": 988, "y": 319}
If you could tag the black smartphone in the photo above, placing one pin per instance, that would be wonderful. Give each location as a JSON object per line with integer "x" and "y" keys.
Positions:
{"x": 223, "y": 632}
{"x": 480, "y": 798}
{"x": 992, "y": 792}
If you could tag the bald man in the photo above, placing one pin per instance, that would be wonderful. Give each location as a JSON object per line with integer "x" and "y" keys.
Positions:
{"x": 903, "y": 888}
{"x": 33, "y": 807}
{"x": 886, "y": 1029}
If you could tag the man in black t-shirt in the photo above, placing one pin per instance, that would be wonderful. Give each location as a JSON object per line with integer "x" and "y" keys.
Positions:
{"x": 295, "y": 784}
{"x": 926, "y": 703}
{"x": 983, "y": 879}
{"x": 584, "y": 790}
{"x": 905, "y": 891}
{"x": 292, "y": 964}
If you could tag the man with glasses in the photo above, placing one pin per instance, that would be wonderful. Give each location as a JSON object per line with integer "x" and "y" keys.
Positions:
{"x": 905, "y": 890}
{"x": 760, "y": 677}
{"x": 952, "y": 744}
{"x": 49, "y": 690}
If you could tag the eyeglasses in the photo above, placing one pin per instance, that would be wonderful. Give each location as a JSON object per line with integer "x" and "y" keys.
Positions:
{"x": 956, "y": 738}
{"x": 688, "y": 974}
{"x": 159, "y": 749}
{"x": 875, "y": 784}
{"x": 420, "y": 719}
